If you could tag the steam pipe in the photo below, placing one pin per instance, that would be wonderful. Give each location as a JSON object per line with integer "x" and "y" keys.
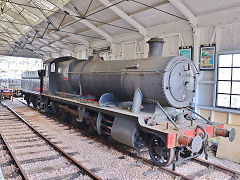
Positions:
{"x": 137, "y": 101}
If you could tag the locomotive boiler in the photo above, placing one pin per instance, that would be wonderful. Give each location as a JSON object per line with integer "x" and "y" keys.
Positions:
{"x": 140, "y": 103}
{"x": 169, "y": 80}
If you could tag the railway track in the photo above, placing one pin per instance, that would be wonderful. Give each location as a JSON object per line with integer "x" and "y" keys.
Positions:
{"x": 212, "y": 166}
{"x": 147, "y": 161}
{"x": 234, "y": 174}
{"x": 124, "y": 151}
{"x": 34, "y": 154}
{"x": 9, "y": 161}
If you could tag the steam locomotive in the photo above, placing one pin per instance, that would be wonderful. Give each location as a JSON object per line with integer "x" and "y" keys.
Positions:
{"x": 140, "y": 103}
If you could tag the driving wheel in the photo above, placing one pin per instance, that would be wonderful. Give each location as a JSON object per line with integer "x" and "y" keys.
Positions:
{"x": 159, "y": 154}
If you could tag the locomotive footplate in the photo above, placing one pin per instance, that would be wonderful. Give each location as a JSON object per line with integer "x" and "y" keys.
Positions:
{"x": 173, "y": 145}
{"x": 189, "y": 141}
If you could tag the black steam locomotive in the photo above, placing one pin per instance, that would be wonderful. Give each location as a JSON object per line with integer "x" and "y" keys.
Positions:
{"x": 142, "y": 102}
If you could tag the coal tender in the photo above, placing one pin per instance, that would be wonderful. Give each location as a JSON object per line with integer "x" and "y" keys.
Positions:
{"x": 140, "y": 102}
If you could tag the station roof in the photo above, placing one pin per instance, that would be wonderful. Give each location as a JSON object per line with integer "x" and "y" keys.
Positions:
{"x": 37, "y": 28}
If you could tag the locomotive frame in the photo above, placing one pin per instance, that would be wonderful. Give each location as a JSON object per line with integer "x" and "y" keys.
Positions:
{"x": 154, "y": 126}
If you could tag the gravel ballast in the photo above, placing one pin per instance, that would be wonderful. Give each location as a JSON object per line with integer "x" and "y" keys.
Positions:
{"x": 109, "y": 163}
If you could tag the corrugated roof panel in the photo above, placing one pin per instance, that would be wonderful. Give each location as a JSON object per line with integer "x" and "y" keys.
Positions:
{"x": 23, "y": 12}
{"x": 3, "y": 25}
{"x": 104, "y": 16}
{"x": 130, "y": 7}
{"x": 7, "y": 35}
{"x": 29, "y": 15}
{"x": 92, "y": 36}
{"x": 115, "y": 30}
{"x": 14, "y": 7}
{"x": 144, "y": 15}
{"x": 23, "y": 28}
{"x": 13, "y": 31}
{"x": 153, "y": 17}
{"x": 45, "y": 5}
{"x": 198, "y": 7}
{"x": 8, "y": 17}
{"x": 82, "y": 5}
{"x": 75, "y": 27}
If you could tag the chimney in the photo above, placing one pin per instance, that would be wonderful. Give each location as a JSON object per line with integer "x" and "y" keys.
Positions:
{"x": 95, "y": 57}
{"x": 155, "y": 47}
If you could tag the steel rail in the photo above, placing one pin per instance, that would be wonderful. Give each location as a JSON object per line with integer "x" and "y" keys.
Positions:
{"x": 66, "y": 155}
{"x": 208, "y": 163}
{"x": 201, "y": 161}
{"x": 11, "y": 153}
{"x": 151, "y": 163}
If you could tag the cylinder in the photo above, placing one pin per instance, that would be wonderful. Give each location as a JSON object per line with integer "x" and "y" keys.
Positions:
{"x": 127, "y": 132}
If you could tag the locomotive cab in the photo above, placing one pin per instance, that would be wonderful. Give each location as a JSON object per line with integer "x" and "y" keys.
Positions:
{"x": 56, "y": 76}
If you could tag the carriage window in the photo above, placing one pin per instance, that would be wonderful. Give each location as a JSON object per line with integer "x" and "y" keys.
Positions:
{"x": 59, "y": 70}
{"x": 228, "y": 81}
{"x": 53, "y": 67}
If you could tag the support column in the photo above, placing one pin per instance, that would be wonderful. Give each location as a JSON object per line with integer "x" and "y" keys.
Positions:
{"x": 215, "y": 73}
{"x": 113, "y": 52}
{"x": 145, "y": 47}
{"x": 196, "y": 56}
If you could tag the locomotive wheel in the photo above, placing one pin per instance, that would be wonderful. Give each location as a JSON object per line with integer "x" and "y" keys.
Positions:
{"x": 62, "y": 115}
{"x": 38, "y": 104}
{"x": 34, "y": 103}
{"x": 159, "y": 154}
{"x": 59, "y": 113}
{"x": 28, "y": 101}
{"x": 73, "y": 121}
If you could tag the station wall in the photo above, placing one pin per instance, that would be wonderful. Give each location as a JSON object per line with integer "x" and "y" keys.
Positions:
{"x": 181, "y": 34}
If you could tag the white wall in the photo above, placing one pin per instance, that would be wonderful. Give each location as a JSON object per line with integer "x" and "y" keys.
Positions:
{"x": 227, "y": 39}
{"x": 179, "y": 34}
{"x": 133, "y": 46}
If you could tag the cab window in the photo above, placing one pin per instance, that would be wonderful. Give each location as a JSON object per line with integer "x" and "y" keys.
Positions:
{"x": 53, "y": 67}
